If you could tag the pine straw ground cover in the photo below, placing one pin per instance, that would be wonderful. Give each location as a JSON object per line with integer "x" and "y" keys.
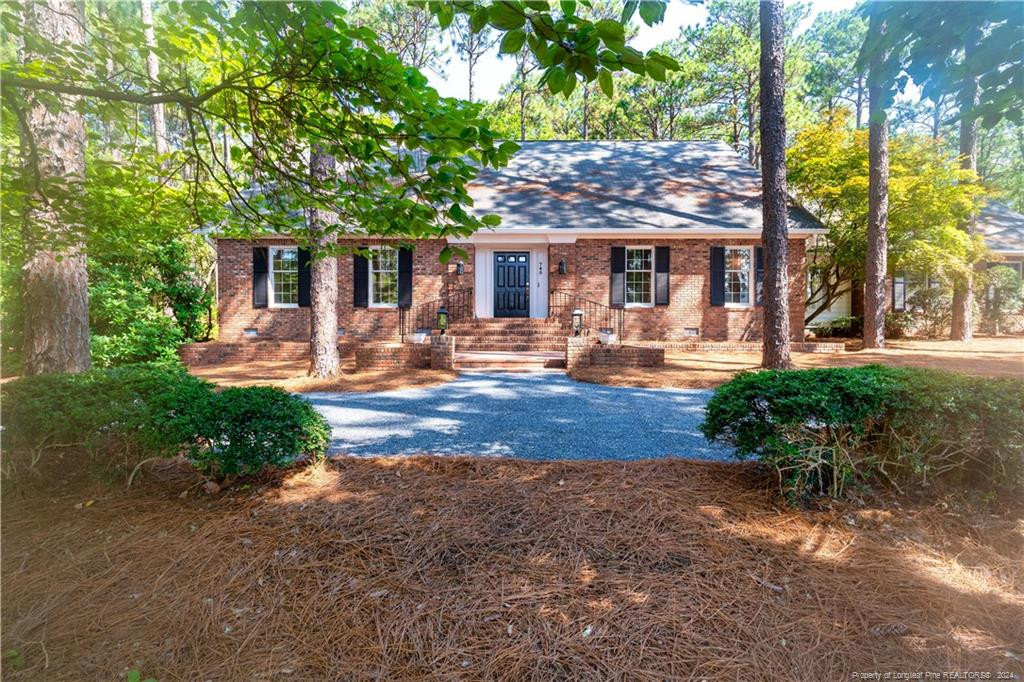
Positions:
{"x": 293, "y": 375}
{"x": 996, "y": 356}
{"x": 500, "y": 569}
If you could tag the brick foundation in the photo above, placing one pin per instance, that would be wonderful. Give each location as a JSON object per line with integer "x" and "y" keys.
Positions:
{"x": 392, "y": 356}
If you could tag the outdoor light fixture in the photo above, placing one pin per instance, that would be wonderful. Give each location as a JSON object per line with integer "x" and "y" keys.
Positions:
{"x": 460, "y": 268}
{"x": 442, "y": 318}
{"x": 577, "y": 322}
{"x": 563, "y": 267}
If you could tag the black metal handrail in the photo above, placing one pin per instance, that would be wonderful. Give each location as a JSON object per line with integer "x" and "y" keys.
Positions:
{"x": 423, "y": 317}
{"x": 596, "y": 316}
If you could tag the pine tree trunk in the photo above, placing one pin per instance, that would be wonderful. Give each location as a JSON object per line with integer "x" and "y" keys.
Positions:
{"x": 323, "y": 289}
{"x": 875, "y": 264}
{"x": 751, "y": 115}
{"x": 962, "y": 322}
{"x": 54, "y": 279}
{"x": 153, "y": 71}
{"x": 775, "y": 223}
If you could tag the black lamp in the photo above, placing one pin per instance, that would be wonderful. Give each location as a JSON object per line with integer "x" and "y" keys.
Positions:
{"x": 460, "y": 268}
{"x": 577, "y": 322}
{"x": 442, "y": 318}
{"x": 563, "y": 267}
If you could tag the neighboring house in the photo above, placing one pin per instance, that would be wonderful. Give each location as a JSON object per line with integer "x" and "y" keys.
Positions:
{"x": 1003, "y": 230}
{"x": 668, "y": 233}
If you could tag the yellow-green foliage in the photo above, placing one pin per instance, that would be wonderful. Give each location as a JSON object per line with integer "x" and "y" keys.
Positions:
{"x": 930, "y": 197}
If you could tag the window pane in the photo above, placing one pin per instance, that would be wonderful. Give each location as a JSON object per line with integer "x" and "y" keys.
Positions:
{"x": 737, "y": 276}
{"x": 638, "y": 276}
{"x": 285, "y": 275}
{"x": 384, "y": 276}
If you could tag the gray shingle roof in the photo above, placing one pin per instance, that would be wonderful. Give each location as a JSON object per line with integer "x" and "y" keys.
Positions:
{"x": 617, "y": 185}
{"x": 1002, "y": 227}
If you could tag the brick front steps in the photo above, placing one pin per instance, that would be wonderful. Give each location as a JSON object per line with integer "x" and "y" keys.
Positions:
{"x": 509, "y": 361}
{"x": 510, "y": 335}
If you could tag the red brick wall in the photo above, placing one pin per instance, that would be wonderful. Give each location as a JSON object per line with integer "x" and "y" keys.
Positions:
{"x": 589, "y": 263}
{"x": 235, "y": 311}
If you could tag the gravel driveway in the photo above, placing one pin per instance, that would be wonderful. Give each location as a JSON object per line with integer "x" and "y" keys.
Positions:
{"x": 532, "y": 416}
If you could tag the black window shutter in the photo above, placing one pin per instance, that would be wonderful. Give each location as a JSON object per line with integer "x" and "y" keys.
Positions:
{"x": 717, "y": 275}
{"x": 661, "y": 275}
{"x": 758, "y": 275}
{"x": 618, "y": 280}
{"x": 305, "y": 276}
{"x": 404, "y": 278}
{"x": 259, "y": 277}
{"x": 360, "y": 280}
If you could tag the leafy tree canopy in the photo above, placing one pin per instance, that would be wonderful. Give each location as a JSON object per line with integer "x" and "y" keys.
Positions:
{"x": 570, "y": 43}
{"x": 926, "y": 41}
{"x": 273, "y": 79}
{"x": 929, "y": 197}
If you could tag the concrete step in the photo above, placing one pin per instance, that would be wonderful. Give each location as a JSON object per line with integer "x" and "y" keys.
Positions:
{"x": 509, "y": 361}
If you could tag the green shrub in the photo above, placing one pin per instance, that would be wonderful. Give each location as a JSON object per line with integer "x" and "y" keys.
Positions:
{"x": 137, "y": 411}
{"x": 1003, "y": 297}
{"x": 116, "y": 415}
{"x": 849, "y": 327}
{"x": 824, "y": 429}
{"x": 246, "y": 429}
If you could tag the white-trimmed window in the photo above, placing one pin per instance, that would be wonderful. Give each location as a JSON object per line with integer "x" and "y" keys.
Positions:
{"x": 384, "y": 277}
{"x": 284, "y": 277}
{"x": 639, "y": 276}
{"x": 739, "y": 268}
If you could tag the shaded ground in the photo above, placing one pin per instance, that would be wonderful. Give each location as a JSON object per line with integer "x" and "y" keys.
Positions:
{"x": 532, "y": 415}
{"x": 456, "y": 568}
{"x": 291, "y": 375}
{"x": 991, "y": 356}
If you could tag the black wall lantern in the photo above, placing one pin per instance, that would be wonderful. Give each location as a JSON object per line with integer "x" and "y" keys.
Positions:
{"x": 563, "y": 267}
{"x": 460, "y": 268}
{"x": 577, "y": 322}
{"x": 442, "y": 318}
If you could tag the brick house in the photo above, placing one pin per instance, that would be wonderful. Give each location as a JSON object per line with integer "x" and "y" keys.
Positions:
{"x": 658, "y": 241}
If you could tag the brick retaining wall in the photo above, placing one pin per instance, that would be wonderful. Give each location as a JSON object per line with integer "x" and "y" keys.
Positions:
{"x": 582, "y": 352}
{"x": 392, "y": 356}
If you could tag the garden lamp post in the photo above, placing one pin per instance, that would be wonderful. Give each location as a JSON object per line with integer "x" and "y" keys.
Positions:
{"x": 442, "y": 319}
{"x": 577, "y": 322}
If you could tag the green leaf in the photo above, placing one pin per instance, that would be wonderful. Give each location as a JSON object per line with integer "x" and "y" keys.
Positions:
{"x": 652, "y": 11}
{"x": 478, "y": 19}
{"x": 570, "y": 85}
{"x": 604, "y": 79}
{"x": 655, "y": 70}
{"x": 491, "y": 220}
{"x": 568, "y": 7}
{"x": 506, "y": 16}
{"x": 513, "y": 41}
{"x": 628, "y": 9}
{"x": 609, "y": 29}
{"x": 555, "y": 79}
